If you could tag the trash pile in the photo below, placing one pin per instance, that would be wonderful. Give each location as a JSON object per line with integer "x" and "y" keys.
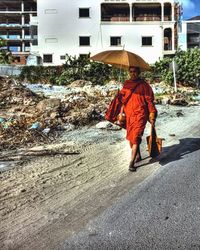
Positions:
{"x": 185, "y": 96}
{"x": 28, "y": 119}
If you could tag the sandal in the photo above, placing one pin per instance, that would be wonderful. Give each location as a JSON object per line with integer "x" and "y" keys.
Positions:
{"x": 132, "y": 168}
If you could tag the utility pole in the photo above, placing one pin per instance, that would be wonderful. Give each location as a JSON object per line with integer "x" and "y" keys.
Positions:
{"x": 174, "y": 74}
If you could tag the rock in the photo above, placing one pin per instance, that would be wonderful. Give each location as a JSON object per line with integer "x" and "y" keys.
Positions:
{"x": 165, "y": 100}
{"x": 80, "y": 83}
{"x": 104, "y": 125}
{"x": 179, "y": 113}
{"x": 179, "y": 101}
{"x": 107, "y": 125}
{"x": 193, "y": 103}
{"x": 69, "y": 127}
{"x": 53, "y": 115}
{"x": 48, "y": 104}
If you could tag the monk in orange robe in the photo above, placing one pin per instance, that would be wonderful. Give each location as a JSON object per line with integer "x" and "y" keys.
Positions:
{"x": 138, "y": 99}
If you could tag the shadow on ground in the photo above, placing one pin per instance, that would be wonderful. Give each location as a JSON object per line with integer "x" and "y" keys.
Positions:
{"x": 176, "y": 152}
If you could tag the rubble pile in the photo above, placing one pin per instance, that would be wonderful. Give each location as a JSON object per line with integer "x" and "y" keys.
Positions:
{"x": 30, "y": 118}
{"x": 27, "y": 118}
{"x": 185, "y": 96}
{"x": 12, "y": 92}
{"x": 17, "y": 106}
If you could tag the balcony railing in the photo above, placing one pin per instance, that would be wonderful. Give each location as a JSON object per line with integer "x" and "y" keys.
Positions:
{"x": 14, "y": 25}
{"x": 147, "y": 18}
{"x": 115, "y": 19}
{"x": 137, "y": 18}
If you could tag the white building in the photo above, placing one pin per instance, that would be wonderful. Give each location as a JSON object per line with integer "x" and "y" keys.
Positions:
{"x": 79, "y": 27}
{"x": 189, "y": 36}
{"x": 15, "y": 26}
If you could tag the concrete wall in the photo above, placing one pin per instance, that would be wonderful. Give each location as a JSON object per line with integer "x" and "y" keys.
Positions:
{"x": 10, "y": 70}
{"x": 182, "y": 36}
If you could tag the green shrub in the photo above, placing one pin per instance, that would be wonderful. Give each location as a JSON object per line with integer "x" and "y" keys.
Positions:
{"x": 82, "y": 68}
{"x": 188, "y": 71}
{"x": 74, "y": 68}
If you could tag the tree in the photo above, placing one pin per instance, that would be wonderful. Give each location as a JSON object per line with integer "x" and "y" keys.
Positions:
{"x": 5, "y": 55}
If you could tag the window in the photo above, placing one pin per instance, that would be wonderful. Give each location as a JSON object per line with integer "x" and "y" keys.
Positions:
{"x": 62, "y": 57}
{"x": 115, "y": 41}
{"x": 47, "y": 58}
{"x": 84, "y": 40}
{"x": 147, "y": 41}
{"x": 84, "y": 12}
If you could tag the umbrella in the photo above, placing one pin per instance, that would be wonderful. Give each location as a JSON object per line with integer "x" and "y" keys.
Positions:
{"x": 121, "y": 59}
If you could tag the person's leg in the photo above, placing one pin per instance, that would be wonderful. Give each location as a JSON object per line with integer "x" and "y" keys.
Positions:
{"x": 138, "y": 155}
{"x": 133, "y": 157}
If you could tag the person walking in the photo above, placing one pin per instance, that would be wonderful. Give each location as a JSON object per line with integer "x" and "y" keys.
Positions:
{"x": 138, "y": 99}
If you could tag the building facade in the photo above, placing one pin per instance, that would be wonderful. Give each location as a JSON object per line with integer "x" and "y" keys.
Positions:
{"x": 146, "y": 27}
{"x": 189, "y": 36}
{"x": 15, "y": 27}
{"x": 52, "y": 29}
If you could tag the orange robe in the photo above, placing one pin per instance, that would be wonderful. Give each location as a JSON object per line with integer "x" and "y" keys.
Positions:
{"x": 137, "y": 107}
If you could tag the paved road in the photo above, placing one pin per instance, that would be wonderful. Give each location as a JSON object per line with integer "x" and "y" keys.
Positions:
{"x": 162, "y": 213}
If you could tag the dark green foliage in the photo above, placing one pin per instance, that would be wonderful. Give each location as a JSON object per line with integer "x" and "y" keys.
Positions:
{"x": 188, "y": 71}
{"x": 188, "y": 66}
{"x": 80, "y": 68}
{"x": 40, "y": 74}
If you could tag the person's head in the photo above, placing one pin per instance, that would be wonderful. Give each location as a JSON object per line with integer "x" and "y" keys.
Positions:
{"x": 134, "y": 72}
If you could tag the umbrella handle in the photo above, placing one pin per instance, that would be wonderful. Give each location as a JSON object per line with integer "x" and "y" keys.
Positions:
{"x": 120, "y": 72}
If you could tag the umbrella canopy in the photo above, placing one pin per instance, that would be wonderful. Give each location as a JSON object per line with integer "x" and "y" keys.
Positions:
{"x": 121, "y": 59}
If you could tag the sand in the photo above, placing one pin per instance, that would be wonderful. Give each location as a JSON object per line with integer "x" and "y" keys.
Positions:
{"x": 52, "y": 191}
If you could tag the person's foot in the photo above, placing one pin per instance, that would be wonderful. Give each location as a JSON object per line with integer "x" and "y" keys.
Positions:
{"x": 132, "y": 168}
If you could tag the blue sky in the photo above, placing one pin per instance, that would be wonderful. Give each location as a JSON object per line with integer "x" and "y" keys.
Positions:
{"x": 191, "y": 8}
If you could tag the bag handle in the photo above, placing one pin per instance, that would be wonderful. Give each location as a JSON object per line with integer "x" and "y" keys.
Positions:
{"x": 153, "y": 131}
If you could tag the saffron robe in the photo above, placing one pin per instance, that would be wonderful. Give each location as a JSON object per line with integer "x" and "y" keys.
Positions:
{"x": 137, "y": 106}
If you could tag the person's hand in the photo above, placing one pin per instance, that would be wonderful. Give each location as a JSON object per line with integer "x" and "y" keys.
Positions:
{"x": 121, "y": 117}
{"x": 152, "y": 119}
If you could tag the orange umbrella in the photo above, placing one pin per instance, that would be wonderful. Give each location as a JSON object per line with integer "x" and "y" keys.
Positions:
{"x": 121, "y": 59}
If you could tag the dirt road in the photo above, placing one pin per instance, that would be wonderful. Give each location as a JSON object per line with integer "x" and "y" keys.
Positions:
{"x": 50, "y": 196}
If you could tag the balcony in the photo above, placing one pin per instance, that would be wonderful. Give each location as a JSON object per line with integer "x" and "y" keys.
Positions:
{"x": 136, "y": 12}
{"x": 115, "y": 12}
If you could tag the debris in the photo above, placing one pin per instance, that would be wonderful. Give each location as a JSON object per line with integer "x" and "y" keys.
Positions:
{"x": 35, "y": 125}
{"x": 179, "y": 113}
{"x": 30, "y": 118}
{"x": 107, "y": 125}
{"x": 46, "y": 130}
